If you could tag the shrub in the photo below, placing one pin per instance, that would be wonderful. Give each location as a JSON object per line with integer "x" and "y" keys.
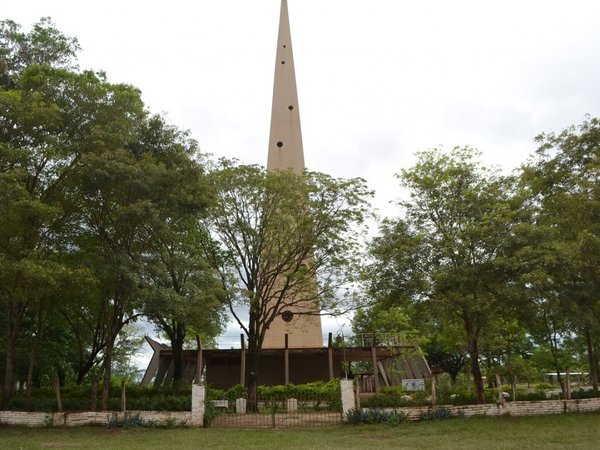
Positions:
{"x": 315, "y": 390}
{"x": 237, "y": 391}
{"x": 210, "y": 413}
{"x": 375, "y": 416}
{"x": 583, "y": 393}
{"x": 386, "y": 401}
{"x": 532, "y": 396}
{"x": 438, "y": 413}
{"x": 129, "y": 422}
{"x": 78, "y": 398}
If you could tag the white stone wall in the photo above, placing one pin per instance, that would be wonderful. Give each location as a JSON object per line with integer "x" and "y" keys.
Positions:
{"x": 519, "y": 408}
{"x": 36, "y": 419}
{"x": 194, "y": 418}
{"x": 28, "y": 419}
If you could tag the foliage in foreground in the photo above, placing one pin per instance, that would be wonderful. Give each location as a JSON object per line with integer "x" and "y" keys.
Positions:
{"x": 329, "y": 389}
{"x": 135, "y": 421}
{"x": 438, "y": 413}
{"x": 375, "y": 416}
{"x": 79, "y": 398}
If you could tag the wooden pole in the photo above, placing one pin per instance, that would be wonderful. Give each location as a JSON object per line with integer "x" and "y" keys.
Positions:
{"x": 433, "y": 391}
{"x": 242, "y": 361}
{"x": 374, "y": 360}
{"x": 357, "y": 393}
{"x": 57, "y": 392}
{"x": 330, "y": 355}
{"x": 199, "y": 362}
{"x": 286, "y": 356}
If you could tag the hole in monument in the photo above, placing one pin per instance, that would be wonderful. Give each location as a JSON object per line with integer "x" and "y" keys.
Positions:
{"x": 290, "y": 107}
{"x": 287, "y": 316}
{"x": 279, "y": 144}
{"x": 284, "y": 46}
{"x": 282, "y": 62}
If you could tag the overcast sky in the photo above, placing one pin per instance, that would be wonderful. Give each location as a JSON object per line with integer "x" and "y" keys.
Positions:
{"x": 377, "y": 79}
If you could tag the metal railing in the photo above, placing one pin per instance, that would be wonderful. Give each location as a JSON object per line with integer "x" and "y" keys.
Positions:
{"x": 303, "y": 412}
{"x": 379, "y": 339}
{"x": 339, "y": 340}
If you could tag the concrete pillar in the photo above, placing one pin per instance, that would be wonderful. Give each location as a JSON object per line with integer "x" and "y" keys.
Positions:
{"x": 292, "y": 405}
{"x": 240, "y": 405}
{"x": 347, "y": 392}
{"x": 198, "y": 398}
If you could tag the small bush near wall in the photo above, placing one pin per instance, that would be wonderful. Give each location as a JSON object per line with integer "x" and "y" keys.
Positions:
{"x": 375, "y": 416}
{"x": 78, "y": 398}
{"x": 136, "y": 421}
{"x": 438, "y": 413}
{"x": 330, "y": 389}
{"x": 532, "y": 396}
{"x": 387, "y": 401}
{"x": 582, "y": 393}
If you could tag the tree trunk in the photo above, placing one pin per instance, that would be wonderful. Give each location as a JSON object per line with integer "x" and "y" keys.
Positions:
{"x": 177, "y": 347}
{"x": 476, "y": 371}
{"x": 107, "y": 375}
{"x": 32, "y": 357}
{"x": 591, "y": 359}
{"x": 11, "y": 340}
{"x": 7, "y": 386}
{"x": 554, "y": 351}
{"x": 252, "y": 377}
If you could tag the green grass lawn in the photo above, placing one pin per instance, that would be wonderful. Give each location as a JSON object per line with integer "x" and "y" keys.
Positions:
{"x": 573, "y": 431}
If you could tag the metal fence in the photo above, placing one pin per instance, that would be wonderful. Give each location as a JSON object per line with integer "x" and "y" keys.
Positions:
{"x": 306, "y": 412}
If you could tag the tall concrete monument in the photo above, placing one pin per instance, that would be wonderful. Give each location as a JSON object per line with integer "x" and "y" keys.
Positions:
{"x": 301, "y": 321}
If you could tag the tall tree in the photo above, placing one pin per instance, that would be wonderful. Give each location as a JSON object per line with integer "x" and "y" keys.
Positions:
{"x": 50, "y": 115}
{"x": 460, "y": 215}
{"x": 89, "y": 179}
{"x": 279, "y": 234}
{"x": 562, "y": 185}
{"x": 185, "y": 293}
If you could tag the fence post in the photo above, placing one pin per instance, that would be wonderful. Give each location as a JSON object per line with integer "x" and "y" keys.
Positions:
{"x": 347, "y": 393}
{"x": 273, "y": 407}
{"x": 374, "y": 361}
{"x": 357, "y": 393}
{"x": 198, "y": 399}
{"x": 240, "y": 405}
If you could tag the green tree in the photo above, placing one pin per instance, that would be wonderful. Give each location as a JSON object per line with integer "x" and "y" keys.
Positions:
{"x": 94, "y": 192}
{"x": 49, "y": 117}
{"x": 185, "y": 296}
{"x": 562, "y": 186}
{"x": 278, "y": 233}
{"x": 460, "y": 220}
